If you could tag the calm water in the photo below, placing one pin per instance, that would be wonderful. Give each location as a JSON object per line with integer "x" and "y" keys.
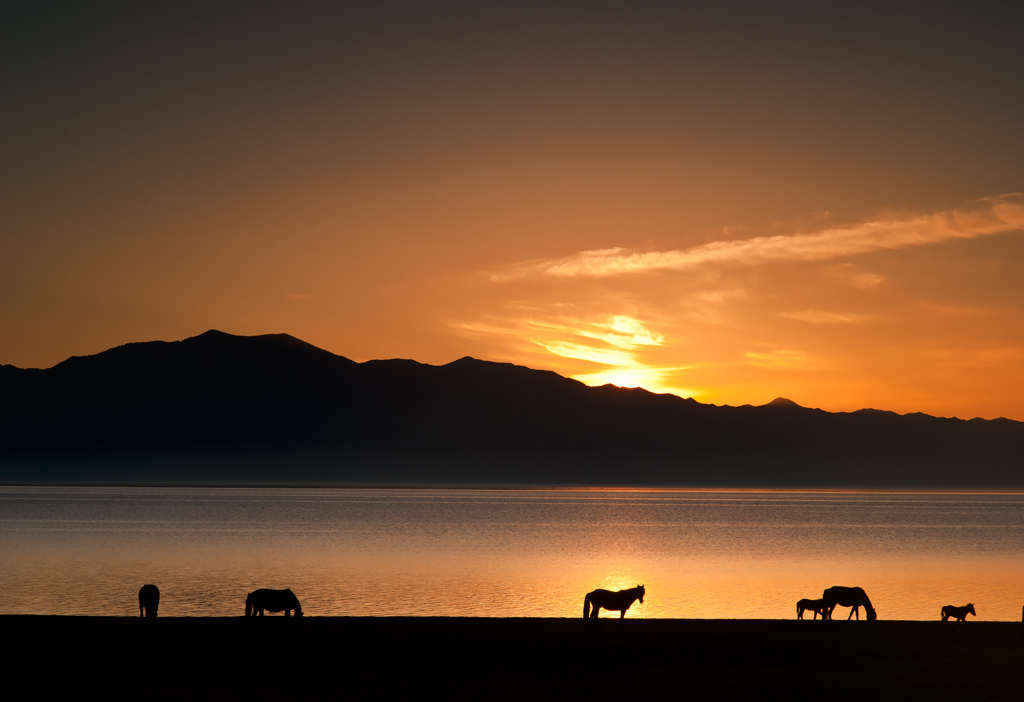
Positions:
{"x": 506, "y": 553}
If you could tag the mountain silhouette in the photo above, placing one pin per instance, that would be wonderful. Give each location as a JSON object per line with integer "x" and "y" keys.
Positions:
{"x": 272, "y": 409}
{"x": 781, "y": 402}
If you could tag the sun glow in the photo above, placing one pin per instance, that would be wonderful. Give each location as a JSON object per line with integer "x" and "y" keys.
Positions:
{"x": 652, "y": 379}
{"x": 620, "y": 336}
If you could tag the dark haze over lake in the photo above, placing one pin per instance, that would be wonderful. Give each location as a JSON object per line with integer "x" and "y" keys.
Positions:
{"x": 506, "y": 552}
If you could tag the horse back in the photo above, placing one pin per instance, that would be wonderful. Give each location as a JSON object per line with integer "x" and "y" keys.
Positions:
{"x": 618, "y": 600}
{"x": 845, "y": 596}
{"x": 274, "y": 600}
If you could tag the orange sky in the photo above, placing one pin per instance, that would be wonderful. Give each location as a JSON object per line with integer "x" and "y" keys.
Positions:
{"x": 728, "y": 201}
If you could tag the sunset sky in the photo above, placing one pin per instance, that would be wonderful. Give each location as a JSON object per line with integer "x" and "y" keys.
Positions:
{"x": 729, "y": 201}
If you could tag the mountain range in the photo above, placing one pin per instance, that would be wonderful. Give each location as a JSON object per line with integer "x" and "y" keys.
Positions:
{"x": 274, "y": 410}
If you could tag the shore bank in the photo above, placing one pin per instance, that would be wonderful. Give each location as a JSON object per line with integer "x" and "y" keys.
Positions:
{"x": 484, "y": 658}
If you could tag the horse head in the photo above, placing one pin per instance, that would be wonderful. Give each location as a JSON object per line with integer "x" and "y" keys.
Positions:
{"x": 872, "y": 614}
{"x": 970, "y": 608}
{"x": 641, "y": 589}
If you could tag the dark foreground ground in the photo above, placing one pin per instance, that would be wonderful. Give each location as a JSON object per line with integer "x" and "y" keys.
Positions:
{"x": 469, "y": 658}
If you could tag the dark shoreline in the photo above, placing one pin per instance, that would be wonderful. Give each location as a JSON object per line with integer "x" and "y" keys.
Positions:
{"x": 526, "y": 487}
{"x": 513, "y": 658}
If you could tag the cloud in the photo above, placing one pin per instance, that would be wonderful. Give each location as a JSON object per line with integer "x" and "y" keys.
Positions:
{"x": 583, "y": 352}
{"x": 1000, "y": 214}
{"x": 620, "y": 333}
{"x": 781, "y": 358}
{"x": 813, "y": 316}
{"x": 959, "y": 310}
{"x": 625, "y": 332}
{"x": 298, "y": 296}
{"x": 848, "y": 273}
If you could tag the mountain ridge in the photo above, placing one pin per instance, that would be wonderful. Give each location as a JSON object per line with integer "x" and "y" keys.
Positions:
{"x": 273, "y": 409}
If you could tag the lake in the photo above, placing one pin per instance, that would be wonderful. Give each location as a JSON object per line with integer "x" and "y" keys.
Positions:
{"x": 700, "y": 554}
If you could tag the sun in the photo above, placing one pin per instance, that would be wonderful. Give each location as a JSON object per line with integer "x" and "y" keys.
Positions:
{"x": 651, "y": 379}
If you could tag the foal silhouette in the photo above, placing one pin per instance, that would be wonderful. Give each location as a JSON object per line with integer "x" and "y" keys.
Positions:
{"x": 816, "y": 606}
{"x": 272, "y": 601}
{"x": 853, "y": 597}
{"x": 613, "y": 601}
{"x": 149, "y": 600}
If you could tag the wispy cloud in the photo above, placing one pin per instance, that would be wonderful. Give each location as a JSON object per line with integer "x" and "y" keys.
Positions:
{"x": 619, "y": 331}
{"x": 584, "y": 352}
{"x": 850, "y": 274}
{"x": 960, "y": 310}
{"x": 813, "y": 316}
{"x": 780, "y": 358}
{"x": 998, "y": 215}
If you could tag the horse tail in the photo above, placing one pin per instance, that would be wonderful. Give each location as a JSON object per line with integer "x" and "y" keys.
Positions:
{"x": 586, "y": 606}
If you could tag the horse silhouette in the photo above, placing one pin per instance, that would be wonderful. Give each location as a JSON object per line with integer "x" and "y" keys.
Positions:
{"x": 853, "y": 597}
{"x": 272, "y": 601}
{"x": 816, "y": 606}
{"x": 959, "y": 613}
{"x": 149, "y": 600}
{"x": 612, "y": 601}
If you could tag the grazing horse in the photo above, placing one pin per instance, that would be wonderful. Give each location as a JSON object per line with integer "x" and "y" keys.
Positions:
{"x": 816, "y": 606}
{"x": 149, "y": 600}
{"x": 959, "y": 613}
{"x": 272, "y": 601}
{"x": 618, "y": 601}
{"x": 848, "y": 597}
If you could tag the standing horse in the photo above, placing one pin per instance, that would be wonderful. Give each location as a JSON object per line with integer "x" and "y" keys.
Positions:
{"x": 272, "y": 601}
{"x": 618, "y": 601}
{"x": 149, "y": 600}
{"x": 848, "y": 597}
{"x": 958, "y": 613}
{"x": 816, "y": 606}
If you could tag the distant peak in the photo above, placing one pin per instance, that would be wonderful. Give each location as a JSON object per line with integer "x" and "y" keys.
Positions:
{"x": 781, "y": 402}
{"x": 217, "y": 335}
